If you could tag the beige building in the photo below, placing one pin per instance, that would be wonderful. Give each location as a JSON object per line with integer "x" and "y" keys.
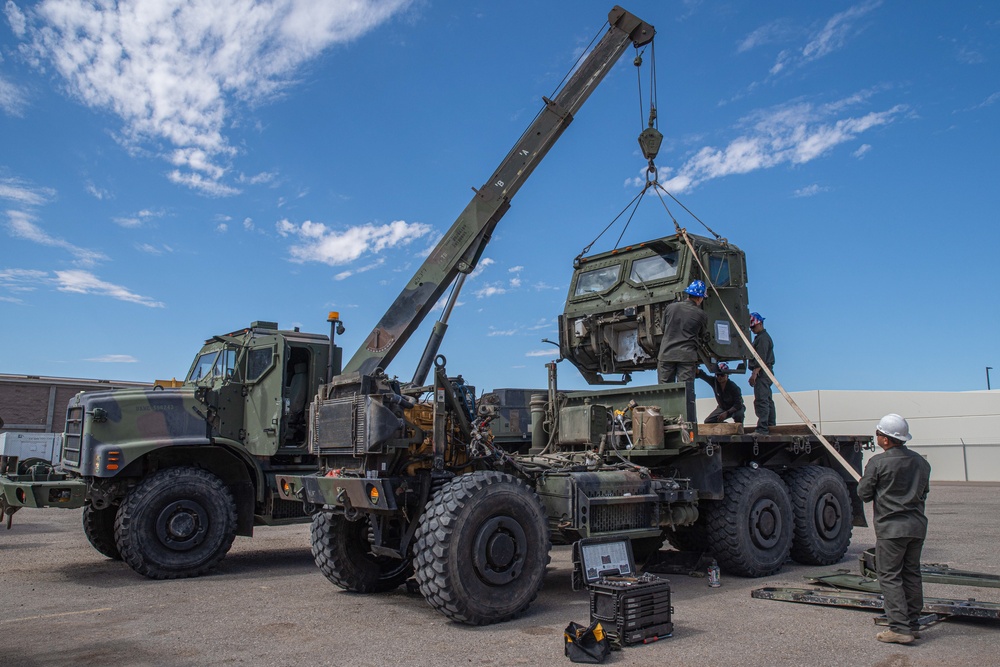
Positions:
{"x": 958, "y": 432}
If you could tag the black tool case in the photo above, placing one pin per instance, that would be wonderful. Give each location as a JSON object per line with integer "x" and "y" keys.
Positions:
{"x": 632, "y": 610}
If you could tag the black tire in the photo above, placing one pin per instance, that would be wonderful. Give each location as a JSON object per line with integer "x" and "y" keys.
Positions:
{"x": 689, "y": 538}
{"x": 178, "y": 522}
{"x": 750, "y": 530}
{"x": 342, "y": 551}
{"x": 821, "y": 507}
{"x": 99, "y": 527}
{"x": 481, "y": 548}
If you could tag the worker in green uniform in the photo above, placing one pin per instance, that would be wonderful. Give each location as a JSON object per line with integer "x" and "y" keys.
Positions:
{"x": 685, "y": 325}
{"x": 763, "y": 400}
{"x": 896, "y": 482}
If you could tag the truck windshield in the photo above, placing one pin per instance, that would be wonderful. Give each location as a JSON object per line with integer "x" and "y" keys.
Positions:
{"x": 214, "y": 364}
{"x": 598, "y": 280}
{"x": 657, "y": 267}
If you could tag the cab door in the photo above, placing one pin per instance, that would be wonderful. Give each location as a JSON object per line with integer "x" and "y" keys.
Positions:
{"x": 728, "y": 273}
{"x": 262, "y": 419}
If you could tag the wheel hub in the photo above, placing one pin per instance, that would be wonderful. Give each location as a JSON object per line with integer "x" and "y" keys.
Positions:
{"x": 829, "y": 516}
{"x": 181, "y": 525}
{"x": 498, "y": 550}
{"x": 765, "y": 523}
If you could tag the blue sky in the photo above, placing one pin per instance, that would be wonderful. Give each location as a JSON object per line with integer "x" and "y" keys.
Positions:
{"x": 170, "y": 171}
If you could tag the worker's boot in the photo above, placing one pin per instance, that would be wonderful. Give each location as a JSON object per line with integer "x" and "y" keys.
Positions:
{"x": 893, "y": 637}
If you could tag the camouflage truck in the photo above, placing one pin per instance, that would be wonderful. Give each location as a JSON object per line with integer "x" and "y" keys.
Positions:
{"x": 417, "y": 479}
{"x": 168, "y": 476}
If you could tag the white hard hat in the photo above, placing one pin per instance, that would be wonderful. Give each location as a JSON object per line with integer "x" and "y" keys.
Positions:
{"x": 894, "y": 426}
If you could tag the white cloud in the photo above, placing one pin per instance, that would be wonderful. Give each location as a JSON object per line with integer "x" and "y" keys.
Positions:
{"x": 776, "y": 31}
{"x": 810, "y": 190}
{"x": 21, "y": 280}
{"x": 484, "y": 263}
{"x": 138, "y": 219}
{"x": 222, "y": 228}
{"x": 152, "y": 249}
{"x": 114, "y": 359}
{"x": 13, "y": 99}
{"x": 97, "y": 193}
{"x": 791, "y": 134}
{"x": 73, "y": 281}
{"x": 173, "y": 70}
{"x": 205, "y": 185}
{"x": 18, "y": 24}
{"x": 17, "y": 190}
{"x": 515, "y": 269}
{"x": 84, "y": 282}
{"x": 494, "y": 289}
{"x": 834, "y": 35}
{"x": 501, "y": 332}
{"x": 837, "y": 31}
{"x": 21, "y": 225}
{"x": 515, "y": 283}
{"x": 541, "y": 353}
{"x": 318, "y": 243}
{"x": 862, "y": 150}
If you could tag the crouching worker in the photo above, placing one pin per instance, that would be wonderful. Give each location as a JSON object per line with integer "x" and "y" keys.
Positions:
{"x": 727, "y": 396}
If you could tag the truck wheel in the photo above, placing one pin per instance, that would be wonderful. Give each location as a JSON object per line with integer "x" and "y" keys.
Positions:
{"x": 99, "y": 527}
{"x": 481, "y": 548}
{"x": 343, "y": 553}
{"x": 689, "y": 538}
{"x": 821, "y": 508}
{"x": 750, "y": 530}
{"x": 178, "y": 522}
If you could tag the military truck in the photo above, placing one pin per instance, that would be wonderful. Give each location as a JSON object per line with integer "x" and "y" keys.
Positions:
{"x": 168, "y": 476}
{"x": 414, "y": 481}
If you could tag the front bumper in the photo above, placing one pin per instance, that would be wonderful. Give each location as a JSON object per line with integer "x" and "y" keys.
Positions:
{"x": 57, "y": 490}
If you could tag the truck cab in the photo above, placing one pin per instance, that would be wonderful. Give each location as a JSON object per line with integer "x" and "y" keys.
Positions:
{"x": 613, "y": 318}
{"x": 169, "y": 475}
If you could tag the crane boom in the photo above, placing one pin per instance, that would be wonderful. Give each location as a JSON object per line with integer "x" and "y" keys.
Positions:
{"x": 462, "y": 246}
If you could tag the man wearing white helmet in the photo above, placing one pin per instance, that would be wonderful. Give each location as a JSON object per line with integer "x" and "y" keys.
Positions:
{"x": 685, "y": 324}
{"x": 896, "y": 482}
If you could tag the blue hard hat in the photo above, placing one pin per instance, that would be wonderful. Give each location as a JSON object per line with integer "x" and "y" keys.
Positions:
{"x": 696, "y": 288}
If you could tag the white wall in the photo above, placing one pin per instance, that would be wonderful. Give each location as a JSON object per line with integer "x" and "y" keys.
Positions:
{"x": 958, "y": 432}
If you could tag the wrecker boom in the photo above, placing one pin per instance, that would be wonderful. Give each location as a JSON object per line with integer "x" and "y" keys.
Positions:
{"x": 461, "y": 247}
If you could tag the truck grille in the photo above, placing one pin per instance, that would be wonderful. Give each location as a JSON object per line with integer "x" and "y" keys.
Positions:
{"x": 73, "y": 436}
{"x": 617, "y": 518}
{"x": 339, "y": 427}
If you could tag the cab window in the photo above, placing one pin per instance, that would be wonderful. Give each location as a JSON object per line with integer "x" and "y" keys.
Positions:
{"x": 651, "y": 269}
{"x": 203, "y": 366}
{"x": 597, "y": 280}
{"x": 718, "y": 268}
{"x": 258, "y": 362}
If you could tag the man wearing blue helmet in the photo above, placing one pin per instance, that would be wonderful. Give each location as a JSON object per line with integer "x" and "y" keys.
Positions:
{"x": 685, "y": 324}
{"x": 763, "y": 401}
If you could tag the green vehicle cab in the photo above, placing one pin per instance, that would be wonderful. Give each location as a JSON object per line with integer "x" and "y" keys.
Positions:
{"x": 169, "y": 476}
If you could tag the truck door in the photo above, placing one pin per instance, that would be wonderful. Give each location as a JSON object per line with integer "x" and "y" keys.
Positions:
{"x": 727, "y": 272}
{"x": 263, "y": 398}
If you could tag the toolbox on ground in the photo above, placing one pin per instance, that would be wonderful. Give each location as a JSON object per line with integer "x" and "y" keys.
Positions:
{"x": 633, "y": 609}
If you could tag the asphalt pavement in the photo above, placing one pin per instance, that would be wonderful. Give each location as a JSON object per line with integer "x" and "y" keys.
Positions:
{"x": 267, "y": 604}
